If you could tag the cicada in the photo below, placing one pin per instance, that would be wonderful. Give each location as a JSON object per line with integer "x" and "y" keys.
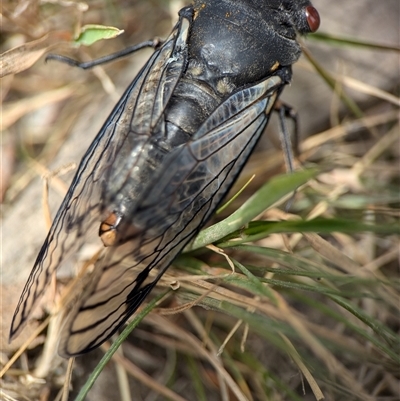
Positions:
{"x": 166, "y": 156}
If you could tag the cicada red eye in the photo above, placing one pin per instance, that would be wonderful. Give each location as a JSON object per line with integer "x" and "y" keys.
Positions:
{"x": 313, "y": 18}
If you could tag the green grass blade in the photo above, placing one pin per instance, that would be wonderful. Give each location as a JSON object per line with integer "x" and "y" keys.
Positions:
{"x": 117, "y": 343}
{"x": 266, "y": 196}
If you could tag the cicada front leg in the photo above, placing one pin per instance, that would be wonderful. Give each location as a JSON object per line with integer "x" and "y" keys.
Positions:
{"x": 108, "y": 230}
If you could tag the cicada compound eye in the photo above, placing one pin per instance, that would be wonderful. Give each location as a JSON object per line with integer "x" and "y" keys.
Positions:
{"x": 313, "y": 18}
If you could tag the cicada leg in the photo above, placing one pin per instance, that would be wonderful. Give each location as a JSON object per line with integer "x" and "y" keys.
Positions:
{"x": 155, "y": 43}
{"x": 285, "y": 111}
{"x": 108, "y": 229}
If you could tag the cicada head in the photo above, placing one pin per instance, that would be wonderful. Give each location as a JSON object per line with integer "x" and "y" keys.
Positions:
{"x": 302, "y": 15}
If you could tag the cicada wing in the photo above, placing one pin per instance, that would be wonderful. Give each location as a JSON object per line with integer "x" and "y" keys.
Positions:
{"x": 113, "y": 156}
{"x": 107, "y": 301}
{"x": 190, "y": 185}
{"x": 75, "y": 223}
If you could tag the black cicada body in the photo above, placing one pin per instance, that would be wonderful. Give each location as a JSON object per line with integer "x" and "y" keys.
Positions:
{"x": 166, "y": 156}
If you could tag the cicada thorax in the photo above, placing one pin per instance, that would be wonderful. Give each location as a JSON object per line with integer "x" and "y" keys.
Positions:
{"x": 232, "y": 45}
{"x": 241, "y": 41}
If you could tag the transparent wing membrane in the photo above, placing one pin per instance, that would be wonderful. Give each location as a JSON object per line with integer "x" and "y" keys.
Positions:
{"x": 108, "y": 165}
